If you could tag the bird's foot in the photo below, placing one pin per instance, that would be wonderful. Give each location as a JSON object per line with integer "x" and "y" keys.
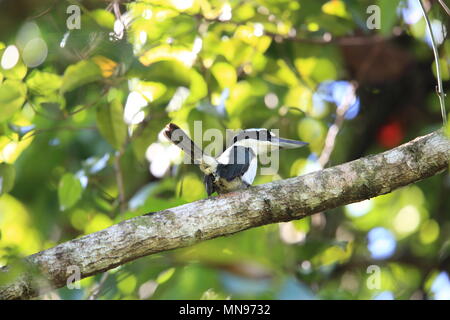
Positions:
{"x": 227, "y": 195}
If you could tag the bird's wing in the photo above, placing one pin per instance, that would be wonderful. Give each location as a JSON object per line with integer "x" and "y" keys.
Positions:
{"x": 235, "y": 162}
{"x": 250, "y": 174}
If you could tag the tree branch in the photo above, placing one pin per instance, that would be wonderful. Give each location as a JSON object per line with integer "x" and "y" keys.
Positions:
{"x": 439, "y": 88}
{"x": 185, "y": 225}
{"x": 444, "y": 6}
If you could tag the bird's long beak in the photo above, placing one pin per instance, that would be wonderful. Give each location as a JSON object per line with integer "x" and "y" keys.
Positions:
{"x": 288, "y": 144}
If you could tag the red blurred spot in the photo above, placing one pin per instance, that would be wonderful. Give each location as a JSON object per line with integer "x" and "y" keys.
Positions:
{"x": 390, "y": 135}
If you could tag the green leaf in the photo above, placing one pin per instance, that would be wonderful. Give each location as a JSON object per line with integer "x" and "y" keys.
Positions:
{"x": 170, "y": 73}
{"x": 79, "y": 74}
{"x": 110, "y": 123}
{"x": 336, "y": 8}
{"x": 313, "y": 131}
{"x": 388, "y": 15}
{"x": 17, "y": 72}
{"x": 198, "y": 88}
{"x": 447, "y": 127}
{"x": 12, "y": 97}
{"x": 7, "y": 177}
{"x": 103, "y": 18}
{"x": 43, "y": 83}
{"x": 165, "y": 275}
{"x": 69, "y": 191}
{"x": 244, "y": 12}
{"x": 225, "y": 74}
{"x": 444, "y": 69}
{"x": 53, "y": 102}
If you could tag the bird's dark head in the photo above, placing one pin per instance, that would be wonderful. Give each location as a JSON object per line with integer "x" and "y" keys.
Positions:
{"x": 263, "y": 140}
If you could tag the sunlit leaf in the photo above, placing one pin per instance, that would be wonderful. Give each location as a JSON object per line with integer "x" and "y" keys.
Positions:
{"x": 225, "y": 74}
{"x": 244, "y": 12}
{"x": 167, "y": 53}
{"x": 17, "y": 72}
{"x": 319, "y": 69}
{"x": 12, "y": 96}
{"x": 447, "y": 127}
{"x": 98, "y": 222}
{"x": 198, "y": 88}
{"x": 79, "y": 74}
{"x": 165, "y": 275}
{"x": 103, "y": 18}
{"x": 171, "y": 73}
{"x": 69, "y": 191}
{"x": 299, "y": 97}
{"x": 313, "y": 132}
{"x": 43, "y": 83}
{"x": 110, "y": 123}
{"x": 389, "y": 16}
{"x": 7, "y": 177}
{"x": 150, "y": 90}
{"x": 336, "y": 8}
{"x": 280, "y": 73}
{"x": 127, "y": 285}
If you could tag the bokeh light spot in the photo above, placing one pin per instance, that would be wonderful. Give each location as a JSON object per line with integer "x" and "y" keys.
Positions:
{"x": 359, "y": 209}
{"x": 133, "y": 113}
{"x": 271, "y": 100}
{"x": 407, "y": 220}
{"x": 10, "y": 57}
{"x": 382, "y": 243}
{"x": 441, "y": 287}
{"x": 35, "y": 52}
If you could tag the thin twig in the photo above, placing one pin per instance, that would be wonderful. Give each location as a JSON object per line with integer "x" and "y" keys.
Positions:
{"x": 42, "y": 114}
{"x": 117, "y": 12}
{"x": 122, "y": 205}
{"x": 96, "y": 290}
{"x": 444, "y": 6}
{"x": 333, "y": 131}
{"x": 119, "y": 180}
{"x": 330, "y": 139}
{"x": 36, "y": 132}
{"x": 92, "y": 104}
{"x": 439, "y": 89}
{"x": 43, "y": 13}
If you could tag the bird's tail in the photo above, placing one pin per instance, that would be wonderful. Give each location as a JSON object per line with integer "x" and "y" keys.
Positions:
{"x": 178, "y": 137}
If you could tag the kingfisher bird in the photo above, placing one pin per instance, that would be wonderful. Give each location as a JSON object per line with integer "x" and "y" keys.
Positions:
{"x": 236, "y": 167}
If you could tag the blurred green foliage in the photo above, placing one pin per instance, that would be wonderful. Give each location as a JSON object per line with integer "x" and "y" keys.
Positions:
{"x": 81, "y": 113}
